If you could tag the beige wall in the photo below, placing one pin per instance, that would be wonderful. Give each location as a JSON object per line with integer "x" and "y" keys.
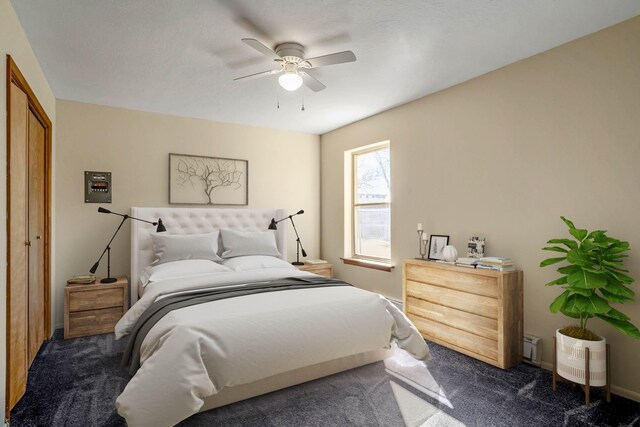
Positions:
{"x": 284, "y": 172}
{"x": 13, "y": 41}
{"x": 503, "y": 156}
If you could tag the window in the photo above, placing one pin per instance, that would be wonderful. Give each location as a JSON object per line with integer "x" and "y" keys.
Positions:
{"x": 370, "y": 206}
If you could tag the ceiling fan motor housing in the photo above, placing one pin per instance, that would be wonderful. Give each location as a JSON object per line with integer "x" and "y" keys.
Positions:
{"x": 290, "y": 52}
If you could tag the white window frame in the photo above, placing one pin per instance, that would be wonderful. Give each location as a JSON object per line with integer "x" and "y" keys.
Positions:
{"x": 351, "y": 203}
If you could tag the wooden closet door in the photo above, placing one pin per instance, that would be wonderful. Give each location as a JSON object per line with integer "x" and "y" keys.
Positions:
{"x": 18, "y": 257}
{"x": 36, "y": 208}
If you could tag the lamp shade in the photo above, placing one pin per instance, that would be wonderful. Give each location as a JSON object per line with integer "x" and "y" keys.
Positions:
{"x": 290, "y": 80}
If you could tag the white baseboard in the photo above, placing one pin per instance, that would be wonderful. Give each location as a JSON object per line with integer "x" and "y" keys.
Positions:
{"x": 620, "y": 391}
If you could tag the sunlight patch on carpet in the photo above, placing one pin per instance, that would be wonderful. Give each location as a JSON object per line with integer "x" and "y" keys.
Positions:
{"x": 417, "y": 412}
{"x": 415, "y": 373}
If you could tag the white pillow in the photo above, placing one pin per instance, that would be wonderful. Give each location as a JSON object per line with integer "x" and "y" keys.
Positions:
{"x": 176, "y": 269}
{"x": 255, "y": 262}
{"x": 242, "y": 243}
{"x": 177, "y": 247}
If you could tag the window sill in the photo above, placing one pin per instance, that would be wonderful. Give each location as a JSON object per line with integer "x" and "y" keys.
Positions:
{"x": 368, "y": 264}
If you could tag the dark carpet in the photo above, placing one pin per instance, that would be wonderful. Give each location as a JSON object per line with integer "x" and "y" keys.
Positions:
{"x": 76, "y": 382}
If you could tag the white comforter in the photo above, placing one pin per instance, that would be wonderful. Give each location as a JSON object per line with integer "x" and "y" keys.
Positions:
{"x": 195, "y": 352}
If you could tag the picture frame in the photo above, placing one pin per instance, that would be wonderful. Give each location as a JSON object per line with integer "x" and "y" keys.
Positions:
{"x": 204, "y": 180}
{"x": 437, "y": 242}
{"x": 475, "y": 247}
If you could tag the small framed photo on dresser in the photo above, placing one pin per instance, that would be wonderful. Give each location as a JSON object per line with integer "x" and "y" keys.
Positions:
{"x": 437, "y": 243}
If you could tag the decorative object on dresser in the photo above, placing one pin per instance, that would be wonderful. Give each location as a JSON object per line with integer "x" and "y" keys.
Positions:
{"x": 202, "y": 180}
{"x": 450, "y": 254}
{"x": 476, "y": 312}
{"x": 273, "y": 226}
{"x": 93, "y": 269}
{"x": 94, "y": 309}
{"x": 594, "y": 278}
{"x": 437, "y": 243}
{"x": 423, "y": 241}
{"x": 475, "y": 247}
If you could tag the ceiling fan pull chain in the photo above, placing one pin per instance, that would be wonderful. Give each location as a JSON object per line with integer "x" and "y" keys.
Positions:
{"x": 302, "y": 91}
{"x": 278, "y": 100}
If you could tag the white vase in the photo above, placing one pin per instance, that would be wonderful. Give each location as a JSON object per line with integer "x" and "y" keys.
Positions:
{"x": 570, "y": 359}
{"x": 450, "y": 253}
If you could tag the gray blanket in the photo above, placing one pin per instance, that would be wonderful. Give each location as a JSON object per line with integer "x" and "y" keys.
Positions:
{"x": 160, "y": 308}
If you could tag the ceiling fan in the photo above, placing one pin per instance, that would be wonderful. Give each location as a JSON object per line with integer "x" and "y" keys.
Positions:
{"x": 290, "y": 61}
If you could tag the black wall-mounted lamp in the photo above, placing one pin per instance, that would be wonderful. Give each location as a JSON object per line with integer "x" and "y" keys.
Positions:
{"x": 299, "y": 247}
{"x": 109, "y": 279}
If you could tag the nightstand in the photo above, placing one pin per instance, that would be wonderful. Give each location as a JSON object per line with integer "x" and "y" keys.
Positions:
{"x": 94, "y": 309}
{"x": 321, "y": 269}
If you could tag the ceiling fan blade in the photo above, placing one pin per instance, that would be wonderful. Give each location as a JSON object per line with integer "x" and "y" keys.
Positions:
{"x": 332, "y": 59}
{"x": 260, "y": 74}
{"x": 311, "y": 82}
{"x": 269, "y": 53}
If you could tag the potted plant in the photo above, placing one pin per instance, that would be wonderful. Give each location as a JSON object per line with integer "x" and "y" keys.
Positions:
{"x": 592, "y": 278}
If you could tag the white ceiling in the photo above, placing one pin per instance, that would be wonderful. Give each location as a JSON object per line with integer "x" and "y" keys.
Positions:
{"x": 180, "y": 56}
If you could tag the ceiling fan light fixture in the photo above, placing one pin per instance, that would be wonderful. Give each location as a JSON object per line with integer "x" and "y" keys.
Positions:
{"x": 290, "y": 80}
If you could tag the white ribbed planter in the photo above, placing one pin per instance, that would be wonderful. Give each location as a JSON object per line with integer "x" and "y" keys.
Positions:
{"x": 570, "y": 359}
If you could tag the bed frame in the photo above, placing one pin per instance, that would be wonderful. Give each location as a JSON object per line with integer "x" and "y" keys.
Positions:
{"x": 203, "y": 220}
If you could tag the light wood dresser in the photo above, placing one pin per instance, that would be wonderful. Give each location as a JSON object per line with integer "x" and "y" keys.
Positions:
{"x": 94, "y": 309}
{"x": 321, "y": 269}
{"x": 474, "y": 311}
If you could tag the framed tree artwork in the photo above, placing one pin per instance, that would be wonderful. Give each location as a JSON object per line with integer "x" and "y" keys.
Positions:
{"x": 201, "y": 180}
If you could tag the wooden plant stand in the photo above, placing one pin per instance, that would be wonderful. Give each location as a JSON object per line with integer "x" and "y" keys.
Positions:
{"x": 586, "y": 387}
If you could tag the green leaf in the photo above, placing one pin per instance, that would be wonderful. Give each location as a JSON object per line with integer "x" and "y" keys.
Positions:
{"x": 623, "y": 326}
{"x": 586, "y": 279}
{"x": 560, "y": 281}
{"x": 592, "y": 304}
{"x": 615, "y": 298}
{"x": 568, "y": 222}
{"x": 620, "y": 276}
{"x": 597, "y": 234}
{"x": 578, "y": 257}
{"x": 569, "y": 269}
{"x": 619, "y": 289}
{"x": 555, "y": 249}
{"x": 616, "y": 314}
{"x": 614, "y": 264}
{"x": 571, "y": 244}
{"x": 578, "y": 233}
{"x": 581, "y": 291}
{"x": 571, "y": 305}
{"x": 557, "y": 303}
{"x": 611, "y": 250}
{"x": 550, "y": 261}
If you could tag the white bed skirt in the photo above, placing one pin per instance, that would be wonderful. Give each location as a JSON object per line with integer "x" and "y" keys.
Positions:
{"x": 266, "y": 385}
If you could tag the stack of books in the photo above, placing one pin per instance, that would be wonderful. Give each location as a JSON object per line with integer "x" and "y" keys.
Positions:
{"x": 82, "y": 280}
{"x": 496, "y": 263}
{"x": 315, "y": 261}
{"x": 468, "y": 262}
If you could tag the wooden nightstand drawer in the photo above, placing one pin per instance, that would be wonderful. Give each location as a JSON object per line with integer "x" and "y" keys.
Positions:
{"x": 95, "y": 299}
{"x": 94, "y": 309}
{"x": 92, "y": 322}
{"x": 321, "y": 269}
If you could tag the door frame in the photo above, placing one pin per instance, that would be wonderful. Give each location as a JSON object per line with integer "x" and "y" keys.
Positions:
{"x": 16, "y": 77}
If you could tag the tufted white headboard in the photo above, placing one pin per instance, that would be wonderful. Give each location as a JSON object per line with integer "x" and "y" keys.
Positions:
{"x": 194, "y": 220}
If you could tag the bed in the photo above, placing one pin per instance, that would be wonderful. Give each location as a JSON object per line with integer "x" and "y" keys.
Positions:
{"x": 208, "y": 355}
